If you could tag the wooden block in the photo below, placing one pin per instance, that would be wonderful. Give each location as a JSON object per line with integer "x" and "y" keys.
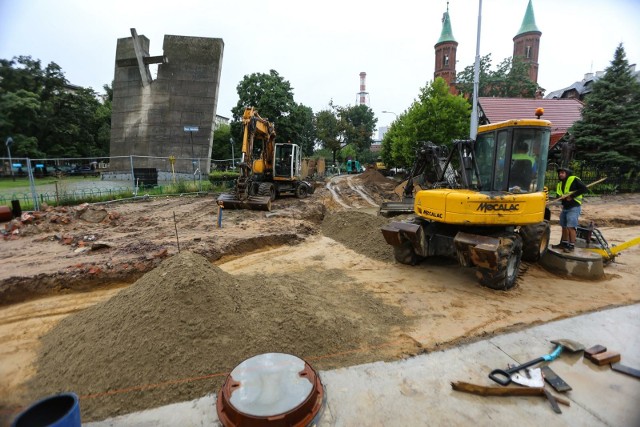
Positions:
{"x": 605, "y": 358}
{"x": 596, "y": 349}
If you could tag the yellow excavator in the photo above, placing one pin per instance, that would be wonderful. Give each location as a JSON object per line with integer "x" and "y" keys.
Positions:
{"x": 267, "y": 169}
{"x": 484, "y": 204}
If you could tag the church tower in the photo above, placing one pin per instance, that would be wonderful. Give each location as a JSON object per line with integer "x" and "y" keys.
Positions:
{"x": 445, "y": 50}
{"x": 526, "y": 44}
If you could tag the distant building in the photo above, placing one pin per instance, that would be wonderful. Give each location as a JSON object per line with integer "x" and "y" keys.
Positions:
{"x": 220, "y": 120}
{"x": 579, "y": 90}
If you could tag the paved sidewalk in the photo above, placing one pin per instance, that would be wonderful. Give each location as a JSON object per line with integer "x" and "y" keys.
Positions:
{"x": 417, "y": 391}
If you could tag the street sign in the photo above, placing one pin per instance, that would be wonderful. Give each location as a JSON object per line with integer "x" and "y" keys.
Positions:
{"x": 191, "y": 128}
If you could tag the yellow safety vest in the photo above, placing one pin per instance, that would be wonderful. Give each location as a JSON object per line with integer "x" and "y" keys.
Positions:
{"x": 560, "y": 192}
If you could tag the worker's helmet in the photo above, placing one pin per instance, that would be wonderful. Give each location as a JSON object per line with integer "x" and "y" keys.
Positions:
{"x": 564, "y": 168}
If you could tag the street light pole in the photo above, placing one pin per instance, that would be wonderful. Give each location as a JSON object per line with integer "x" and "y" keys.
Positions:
{"x": 233, "y": 156}
{"x": 8, "y": 143}
{"x": 391, "y": 112}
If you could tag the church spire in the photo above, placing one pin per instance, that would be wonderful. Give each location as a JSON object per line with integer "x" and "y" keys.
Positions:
{"x": 447, "y": 33}
{"x": 528, "y": 22}
{"x": 445, "y": 52}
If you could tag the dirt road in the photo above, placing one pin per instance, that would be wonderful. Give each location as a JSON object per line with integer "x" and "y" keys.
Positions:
{"x": 306, "y": 262}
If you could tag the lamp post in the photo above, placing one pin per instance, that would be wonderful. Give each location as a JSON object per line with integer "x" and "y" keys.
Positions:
{"x": 391, "y": 112}
{"x": 8, "y": 143}
{"x": 233, "y": 156}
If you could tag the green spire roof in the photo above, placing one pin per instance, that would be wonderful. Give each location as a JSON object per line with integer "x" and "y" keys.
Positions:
{"x": 529, "y": 21}
{"x": 447, "y": 34}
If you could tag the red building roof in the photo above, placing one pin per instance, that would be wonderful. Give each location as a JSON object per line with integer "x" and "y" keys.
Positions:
{"x": 562, "y": 113}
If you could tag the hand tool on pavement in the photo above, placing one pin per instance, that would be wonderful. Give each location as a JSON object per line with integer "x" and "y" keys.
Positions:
{"x": 510, "y": 391}
{"x": 626, "y": 369}
{"x": 503, "y": 377}
{"x": 529, "y": 378}
{"x": 554, "y": 380}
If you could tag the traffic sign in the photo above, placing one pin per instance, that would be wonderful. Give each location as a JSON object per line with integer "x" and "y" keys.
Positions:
{"x": 191, "y": 128}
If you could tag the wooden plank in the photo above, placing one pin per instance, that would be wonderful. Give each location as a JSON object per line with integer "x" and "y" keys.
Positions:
{"x": 605, "y": 358}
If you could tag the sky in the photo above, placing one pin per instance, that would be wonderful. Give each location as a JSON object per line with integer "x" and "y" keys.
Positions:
{"x": 320, "y": 48}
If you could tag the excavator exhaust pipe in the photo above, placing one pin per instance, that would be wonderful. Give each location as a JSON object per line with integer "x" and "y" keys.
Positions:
{"x": 256, "y": 203}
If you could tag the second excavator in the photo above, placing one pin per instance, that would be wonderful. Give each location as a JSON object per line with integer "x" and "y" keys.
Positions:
{"x": 267, "y": 169}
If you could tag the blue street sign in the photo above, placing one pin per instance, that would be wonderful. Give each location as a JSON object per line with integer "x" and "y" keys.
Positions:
{"x": 191, "y": 128}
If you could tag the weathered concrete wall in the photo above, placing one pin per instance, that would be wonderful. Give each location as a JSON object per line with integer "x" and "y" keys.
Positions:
{"x": 150, "y": 120}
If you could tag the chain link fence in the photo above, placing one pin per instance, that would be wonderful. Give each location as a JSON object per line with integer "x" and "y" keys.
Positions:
{"x": 58, "y": 181}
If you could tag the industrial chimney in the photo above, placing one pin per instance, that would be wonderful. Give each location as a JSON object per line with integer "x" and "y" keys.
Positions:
{"x": 363, "y": 95}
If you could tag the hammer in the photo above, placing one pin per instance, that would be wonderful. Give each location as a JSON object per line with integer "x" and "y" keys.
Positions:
{"x": 503, "y": 377}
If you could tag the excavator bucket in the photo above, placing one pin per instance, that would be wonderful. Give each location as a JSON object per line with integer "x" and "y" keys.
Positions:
{"x": 256, "y": 203}
{"x": 390, "y": 209}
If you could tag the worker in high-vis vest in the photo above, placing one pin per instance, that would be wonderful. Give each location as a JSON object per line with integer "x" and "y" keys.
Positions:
{"x": 571, "y": 188}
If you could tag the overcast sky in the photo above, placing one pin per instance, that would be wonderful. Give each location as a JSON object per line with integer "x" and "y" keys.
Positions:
{"x": 321, "y": 47}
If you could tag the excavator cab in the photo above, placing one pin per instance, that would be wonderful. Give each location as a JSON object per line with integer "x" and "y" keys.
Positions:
{"x": 288, "y": 160}
{"x": 512, "y": 156}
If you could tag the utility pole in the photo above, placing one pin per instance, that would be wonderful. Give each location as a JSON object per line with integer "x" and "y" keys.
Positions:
{"x": 8, "y": 143}
{"x": 473, "y": 131}
{"x": 233, "y": 156}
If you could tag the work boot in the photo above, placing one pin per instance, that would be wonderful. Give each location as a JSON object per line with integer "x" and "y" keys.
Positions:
{"x": 560, "y": 245}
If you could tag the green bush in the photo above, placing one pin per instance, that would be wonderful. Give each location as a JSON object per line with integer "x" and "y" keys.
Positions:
{"x": 217, "y": 176}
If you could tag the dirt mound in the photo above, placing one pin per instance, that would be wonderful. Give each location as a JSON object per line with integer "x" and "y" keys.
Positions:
{"x": 173, "y": 334}
{"x": 360, "y": 232}
{"x": 372, "y": 176}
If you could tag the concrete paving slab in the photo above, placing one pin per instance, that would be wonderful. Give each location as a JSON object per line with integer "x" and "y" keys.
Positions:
{"x": 418, "y": 391}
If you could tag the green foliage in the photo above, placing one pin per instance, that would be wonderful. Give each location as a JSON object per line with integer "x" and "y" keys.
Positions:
{"x": 223, "y": 176}
{"x": 609, "y": 130}
{"x": 346, "y": 128}
{"x": 436, "y": 116}
{"x": 272, "y": 96}
{"x": 221, "y": 148}
{"x": 328, "y": 132}
{"x": 46, "y": 117}
{"x": 509, "y": 80}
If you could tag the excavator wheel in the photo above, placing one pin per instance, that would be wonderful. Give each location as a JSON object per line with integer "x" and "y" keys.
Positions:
{"x": 253, "y": 190}
{"x": 267, "y": 189}
{"x": 406, "y": 254}
{"x": 535, "y": 240}
{"x": 504, "y": 276}
{"x": 302, "y": 191}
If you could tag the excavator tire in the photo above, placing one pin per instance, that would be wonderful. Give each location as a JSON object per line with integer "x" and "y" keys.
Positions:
{"x": 535, "y": 240}
{"x": 504, "y": 276}
{"x": 302, "y": 191}
{"x": 405, "y": 254}
{"x": 267, "y": 189}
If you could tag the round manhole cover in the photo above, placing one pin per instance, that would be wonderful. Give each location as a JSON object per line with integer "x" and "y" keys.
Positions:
{"x": 273, "y": 389}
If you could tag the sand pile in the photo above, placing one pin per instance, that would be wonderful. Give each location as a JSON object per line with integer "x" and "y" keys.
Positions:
{"x": 187, "y": 319}
{"x": 360, "y": 232}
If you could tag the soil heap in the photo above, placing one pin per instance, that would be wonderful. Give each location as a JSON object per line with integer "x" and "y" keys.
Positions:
{"x": 175, "y": 333}
{"x": 360, "y": 232}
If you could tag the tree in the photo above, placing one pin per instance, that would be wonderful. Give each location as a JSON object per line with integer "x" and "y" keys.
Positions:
{"x": 328, "y": 131}
{"x": 272, "y": 96}
{"x": 609, "y": 130}
{"x": 48, "y": 117}
{"x": 437, "y": 116}
{"x": 221, "y": 148}
{"x": 509, "y": 80}
{"x": 357, "y": 124}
